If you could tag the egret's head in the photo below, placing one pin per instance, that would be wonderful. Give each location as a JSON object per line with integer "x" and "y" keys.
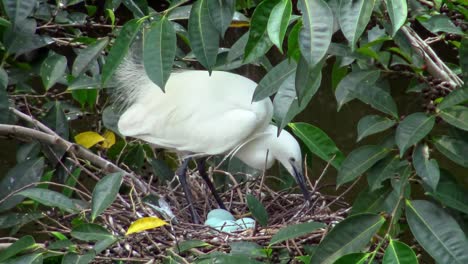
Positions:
{"x": 287, "y": 151}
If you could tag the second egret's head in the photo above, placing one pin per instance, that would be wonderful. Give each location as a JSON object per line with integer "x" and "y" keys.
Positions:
{"x": 287, "y": 151}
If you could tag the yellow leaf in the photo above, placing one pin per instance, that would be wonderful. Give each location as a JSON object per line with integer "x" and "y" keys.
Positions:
{"x": 109, "y": 139}
{"x": 88, "y": 139}
{"x": 145, "y": 223}
{"x": 239, "y": 24}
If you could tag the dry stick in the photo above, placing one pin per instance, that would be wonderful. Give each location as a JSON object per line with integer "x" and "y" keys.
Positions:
{"x": 435, "y": 66}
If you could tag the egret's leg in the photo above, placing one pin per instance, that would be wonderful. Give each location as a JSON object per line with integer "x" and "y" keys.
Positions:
{"x": 182, "y": 173}
{"x": 201, "y": 165}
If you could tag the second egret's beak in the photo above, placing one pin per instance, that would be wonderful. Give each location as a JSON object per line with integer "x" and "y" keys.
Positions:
{"x": 300, "y": 180}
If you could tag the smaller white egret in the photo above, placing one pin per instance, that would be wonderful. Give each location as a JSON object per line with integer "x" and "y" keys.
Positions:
{"x": 201, "y": 115}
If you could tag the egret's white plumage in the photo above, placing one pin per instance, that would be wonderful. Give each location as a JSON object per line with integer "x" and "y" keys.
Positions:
{"x": 204, "y": 115}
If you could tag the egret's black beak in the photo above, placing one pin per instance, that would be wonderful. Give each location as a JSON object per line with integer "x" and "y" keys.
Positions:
{"x": 300, "y": 180}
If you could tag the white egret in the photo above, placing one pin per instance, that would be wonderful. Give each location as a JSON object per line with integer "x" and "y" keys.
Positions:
{"x": 200, "y": 115}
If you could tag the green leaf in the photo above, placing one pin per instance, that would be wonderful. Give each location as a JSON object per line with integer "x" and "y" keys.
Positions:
{"x": 293, "y": 41}
{"x": 189, "y": 244}
{"x": 87, "y": 56}
{"x": 370, "y": 201}
{"x": 338, "y": 73}
{"x": 354, "y": 258}
{"x": 350, "y": 82}
{"x": 456, "y": 116}
{"x": 272, "y": 81}
{"x": 52, "y": 69}
{"x": 104, "y": 193}
{"x": 34, "y": 258}
{"x": 307, "y": 80}
{"x": 17, "y": 219}
{"x": 120, "y": 48}
{"x": 159, "y": 51}
{"x": 139, "y": 8}
{"x": 294, "y": 231}
{"x": 250, "y": 249}
{"x": 382, "y": 170}
{"x": 397, "y": 11}
{"x": 278, "y": 22}
{"x": 318, "y": 142}
{"x": 457, "y": 96}
{"x": 257, "y": 210}
{"x": 259, "y": 42}
{"x": 50, "y": 198}
{"x": 354, "y": 17}
{"x": 359, "y": 161}
{"x": 237, "y": 49}
{"x": 373, "y": 124}
{"x": 73, "y": 258}
{"x": 315, "y": 36}
{"x": 18, "y": 10}
{"x": 203, "y": 35}
{"x": 452, "y": 194}
{"x": 439, "y": 23}
{"x": 350, "y": 235}
{"x": 90, "y": 232}
{"x": 20, "y": 245}
{"x": 398, "y": 252}
{"x": 21, "y": 175}
{"x": 104, "y": 244}
{"x": 437, "y": 232}
{"x": 453, "y": 148}
{"x": 221, "y": 12}
{"x": 376, "y": 97}
{"x": 412, "y": 129}
{"x": 427, "y": 169}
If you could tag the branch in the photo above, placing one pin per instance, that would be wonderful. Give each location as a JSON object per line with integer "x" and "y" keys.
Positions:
{"x": 435, "y": 66}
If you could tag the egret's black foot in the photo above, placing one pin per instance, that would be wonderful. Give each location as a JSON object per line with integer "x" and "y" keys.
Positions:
{"x": 182, "y": 173}
{"x": 201, "y": 165}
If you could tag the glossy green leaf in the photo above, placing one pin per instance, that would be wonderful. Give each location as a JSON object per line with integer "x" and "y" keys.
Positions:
{"x": 90, "y": 232}
{"x": 257, "y": 209}
{"x": 371, "y": 201}
{"x": 376, "y": 97}
{"x": 338, "y": 73}
{"x": 306, "y": 81}
{"x": 87, "y": 56}
{"x": 50, "y": 198}
{"x": 412, "y": 129}
{"x": 104, "y": 244}
{"x": 315, "y": 35}
{"x": 20, "y": 245}
{"x": 437, "y": 232}
{"x": 159, "y": 51}
{"x": 354, "y": 17}
{"x": 350, "y": 82}
{"x": 318, "y": 142}
{"x": 293, "y": 41}
{"x": 350, "y": 235}
{"x": 382, "y": 170}
{"x": 359, "y": 161}
{"x": 33, "y": 258}
{"x": 373, "y": 124}
{"x": 189, "y": 244}
{"x": 139, "y": 8}
{"x": 354, "y": 258}
{"x": 457, "y": 96}
{"x": 427, "y": 169}
{"x": 120, "y": 48}
{"x": 456, "y": 116}
{"x": 259, "y": 42}
{"x": 221, "y": 12}
{"x": 104, "y": 193}
{"x": 439, "y": 23}
{"x": 397, "y": 11}
{"x": 237, "y": 49}
{"x": 278, "y": 22}
{"x": 453, "y": 148}
{"x": 21, "y": 175}
{"x": 398, "y": 253}
{"x": 295, "y": 231}
{"x": 73, "y": 258}
{"x": 9, "y": 220}
{"x": 452, "y": 194}
{"x": 18, "y": 10}
{"x": 52, "y": 69}
{"x": 273, "y": 80}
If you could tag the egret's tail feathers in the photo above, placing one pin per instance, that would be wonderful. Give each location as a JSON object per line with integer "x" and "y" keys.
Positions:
{"x": 132, "y": 82}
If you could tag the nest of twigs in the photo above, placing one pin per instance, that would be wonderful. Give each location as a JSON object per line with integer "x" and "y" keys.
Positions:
{"x": 284, "y": 208}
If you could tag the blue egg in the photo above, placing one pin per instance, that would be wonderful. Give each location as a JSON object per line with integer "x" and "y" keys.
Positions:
{"x": 245, "y": 223}
{"x": 220, "y": 214}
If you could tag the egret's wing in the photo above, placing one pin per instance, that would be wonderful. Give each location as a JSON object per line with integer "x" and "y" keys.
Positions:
{"x": 191, "y": 129}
